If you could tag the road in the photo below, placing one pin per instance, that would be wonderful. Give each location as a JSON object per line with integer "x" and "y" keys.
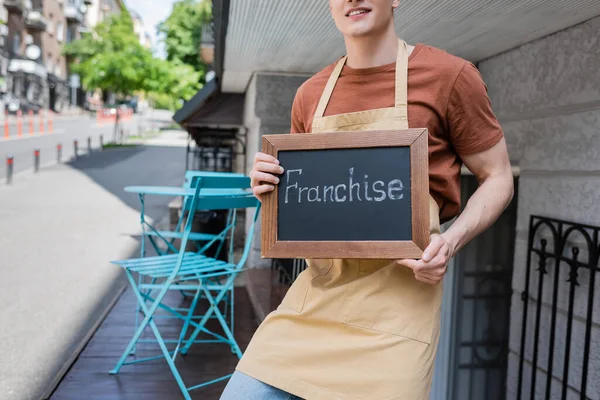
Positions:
{"x": 65, "y": 131}
{"x": 58, "y": 232}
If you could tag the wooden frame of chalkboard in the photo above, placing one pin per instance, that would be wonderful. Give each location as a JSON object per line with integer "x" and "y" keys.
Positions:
{"x": 416, "y": 140}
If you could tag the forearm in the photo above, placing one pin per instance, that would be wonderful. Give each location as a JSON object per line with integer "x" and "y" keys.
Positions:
{"x": 482, "y": 209}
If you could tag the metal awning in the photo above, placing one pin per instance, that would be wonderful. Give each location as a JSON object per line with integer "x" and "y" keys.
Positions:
{"x": 220, "y": 110}
{"x": 196, "y": 102}
{"x": 301, "y": 37}
{"x": 211, "y": 88}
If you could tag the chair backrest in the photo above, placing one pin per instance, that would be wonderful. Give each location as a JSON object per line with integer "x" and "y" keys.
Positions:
{"x": 233, "y": 202}
{"x": 191, "y": 176}
{"x": 218, "y": 187}
{"x": 222, "y": 202}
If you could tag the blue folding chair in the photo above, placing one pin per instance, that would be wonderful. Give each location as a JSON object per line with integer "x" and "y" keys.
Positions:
{"x": 190, "y": 271}
{"x": 168, "y": 237}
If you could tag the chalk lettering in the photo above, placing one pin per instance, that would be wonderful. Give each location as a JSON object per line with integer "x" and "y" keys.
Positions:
{"x": 330, "y": 189}
{"x": 342, "y": 192}
{"x": 337, "y": 196}
{"x": 393, "y": 186}
{"x": 367, "y": 189}
{"x": 352, "y": 185}
{"x": 302, "y": 189}
{"x": 382, "y": 197}
{"x": 289, "y": 171}
{"x": 316, "y": 197}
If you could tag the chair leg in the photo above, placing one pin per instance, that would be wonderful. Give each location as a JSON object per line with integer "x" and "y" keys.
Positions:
{"x": 138, "y": 308}
{"x": 149, "y": 321}
{"x": 228, "y": 332}
{"x": 142, "y": 303}
{"x": 170, "y": 361}
{"x": 188, "y": 320}
{"x": 213, "y": 307}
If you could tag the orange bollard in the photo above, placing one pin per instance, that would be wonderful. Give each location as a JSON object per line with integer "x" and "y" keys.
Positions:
{"x": 19, "y": 123}
{"x": 30, "y": 113}
{"x": 6, "y": 127}
{"x": 50, "y": 128}
{"x": 41, "y": 114}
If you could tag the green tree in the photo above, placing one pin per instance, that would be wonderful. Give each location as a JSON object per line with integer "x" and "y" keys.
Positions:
{"x": 183, "y": 32}
{"x": 111, "y": 57}
{"x": 169, "y": 83}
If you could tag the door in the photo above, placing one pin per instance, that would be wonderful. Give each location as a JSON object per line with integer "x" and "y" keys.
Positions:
{"x": 480, "y": 303}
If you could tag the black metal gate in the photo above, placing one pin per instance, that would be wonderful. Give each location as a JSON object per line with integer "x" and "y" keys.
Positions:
{"x": 562, "y": 263}
{"x": 481, "y": 307}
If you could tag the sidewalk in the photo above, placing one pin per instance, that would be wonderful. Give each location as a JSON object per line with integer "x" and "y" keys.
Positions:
{"x": 59, "y": 231}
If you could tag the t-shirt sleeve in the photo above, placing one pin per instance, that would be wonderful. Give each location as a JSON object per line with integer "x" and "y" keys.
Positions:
{"x": 472, "y": 124}
{"x": 297, "y": 125}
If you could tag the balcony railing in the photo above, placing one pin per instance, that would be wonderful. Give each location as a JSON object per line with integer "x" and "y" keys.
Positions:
{"x": 207, "y": 43}
{"x": 15, "y": 6}
{"x": 73, "y": 14}
{"x": 35, "y": 20}
{"x": 208, "y": 37}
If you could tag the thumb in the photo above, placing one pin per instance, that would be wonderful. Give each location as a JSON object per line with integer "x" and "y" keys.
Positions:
{"x": 412, "y": 264}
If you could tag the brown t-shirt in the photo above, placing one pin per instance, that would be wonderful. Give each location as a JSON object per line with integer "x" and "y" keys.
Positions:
{"x": 446, "y": 95}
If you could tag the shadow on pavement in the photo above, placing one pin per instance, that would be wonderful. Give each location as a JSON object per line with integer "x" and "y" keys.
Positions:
{"x": 116, "y": 168}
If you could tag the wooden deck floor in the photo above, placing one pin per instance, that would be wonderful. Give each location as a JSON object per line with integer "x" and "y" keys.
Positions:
{"x": 89, "y": 379}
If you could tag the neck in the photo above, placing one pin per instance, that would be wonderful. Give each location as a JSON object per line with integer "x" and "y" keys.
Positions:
{"x": 372, "y": 50}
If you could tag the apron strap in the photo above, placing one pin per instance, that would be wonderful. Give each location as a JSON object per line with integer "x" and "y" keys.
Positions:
{"x": 329, "y": 88}
{"x": 402, "y": 77}
{"x": 401, "y": 97}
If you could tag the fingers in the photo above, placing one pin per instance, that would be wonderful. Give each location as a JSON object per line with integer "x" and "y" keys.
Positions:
{"x": 427, "y": 280}
{"x": 263, "y": 166}
{"x": 435, "y": 245}
{"x": 260, "y": 156}
{"x": 432, "y": 267}
{"x": 258, "y": 191}
{"x": 263, "y": 175}
{"x": 412, "y": 264}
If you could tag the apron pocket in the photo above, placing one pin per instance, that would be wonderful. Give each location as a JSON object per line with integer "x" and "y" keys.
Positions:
{"x": 390, "y": 300}
{"x": 295, "y": 297}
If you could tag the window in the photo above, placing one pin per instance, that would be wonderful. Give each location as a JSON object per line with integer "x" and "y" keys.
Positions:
{"x": 16, "y": 44}
{"x": 60, "y": 32}
{"x": 71, "y": 33}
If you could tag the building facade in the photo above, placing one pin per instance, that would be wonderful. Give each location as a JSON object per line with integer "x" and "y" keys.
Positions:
{"x": 37, "y": 75}
{"x": 140, "y": 30}
{"x": 98, "y": 10}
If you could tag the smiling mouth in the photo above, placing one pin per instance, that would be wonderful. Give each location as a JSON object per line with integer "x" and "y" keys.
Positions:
{"x": 357, "y": 11}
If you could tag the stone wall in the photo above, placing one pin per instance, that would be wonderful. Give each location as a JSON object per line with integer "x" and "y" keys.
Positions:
{"x": 547, "y": 96}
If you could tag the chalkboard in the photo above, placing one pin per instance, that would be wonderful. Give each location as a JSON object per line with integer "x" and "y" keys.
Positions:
{"x": 345, "y": 194}
{"x": 348, "y": 195}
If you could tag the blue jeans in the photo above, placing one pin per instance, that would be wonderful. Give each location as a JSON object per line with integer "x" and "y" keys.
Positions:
{"x": 244, "y": 387}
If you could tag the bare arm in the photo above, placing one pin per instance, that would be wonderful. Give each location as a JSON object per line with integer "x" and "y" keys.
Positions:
{"x": 494, "y": 174}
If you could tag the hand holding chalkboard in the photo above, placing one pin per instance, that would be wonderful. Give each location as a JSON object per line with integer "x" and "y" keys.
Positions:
{"x": 344, "y": 194}
{"x": 263, "y": 176}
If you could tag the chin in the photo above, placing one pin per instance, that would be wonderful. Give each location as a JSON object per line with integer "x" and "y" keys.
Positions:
{"x": 358, "y": 31}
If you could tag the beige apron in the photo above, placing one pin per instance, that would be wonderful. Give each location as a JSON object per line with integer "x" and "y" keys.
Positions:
{"x": 348, "y": 328}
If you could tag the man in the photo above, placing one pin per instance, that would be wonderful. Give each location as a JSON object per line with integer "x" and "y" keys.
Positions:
{"x": 368, "y": 329}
